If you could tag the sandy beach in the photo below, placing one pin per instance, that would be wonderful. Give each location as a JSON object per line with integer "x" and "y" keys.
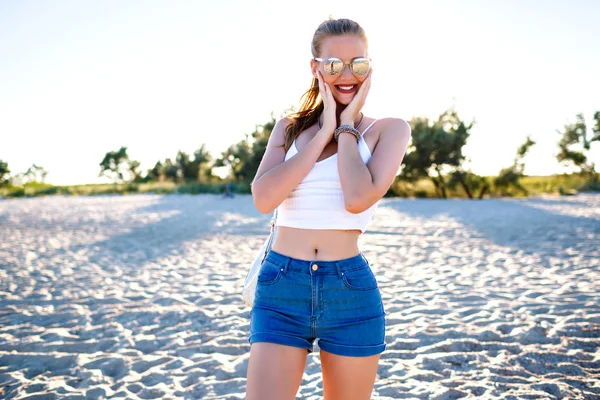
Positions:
{"x": 138, "y": 297}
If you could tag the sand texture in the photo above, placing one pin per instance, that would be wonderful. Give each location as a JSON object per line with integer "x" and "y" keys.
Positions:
{"x": 138, "y": 297}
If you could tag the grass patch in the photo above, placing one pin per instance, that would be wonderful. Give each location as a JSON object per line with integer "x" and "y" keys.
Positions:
{"x": 564, "y": 184}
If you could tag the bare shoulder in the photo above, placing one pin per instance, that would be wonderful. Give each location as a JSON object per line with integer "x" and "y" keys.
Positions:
{"x": 395, "y": 127}
{"x": 278, "y": 134}
{"x": 394, "y": 134}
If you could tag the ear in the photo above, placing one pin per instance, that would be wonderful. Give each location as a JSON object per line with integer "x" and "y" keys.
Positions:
{"x": 314, "y": 67}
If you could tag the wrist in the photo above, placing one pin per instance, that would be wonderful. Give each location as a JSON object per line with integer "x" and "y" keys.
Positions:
{"x": 325, "y": 135}
{"x": 326, "y": 130}
{"x": 347, "y": 121}
{"x": 346, "y": 136}
{"x": 346, "y": 129}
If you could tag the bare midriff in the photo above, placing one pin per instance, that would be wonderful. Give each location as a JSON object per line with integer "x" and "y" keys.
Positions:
{"x": 316, "y": 244}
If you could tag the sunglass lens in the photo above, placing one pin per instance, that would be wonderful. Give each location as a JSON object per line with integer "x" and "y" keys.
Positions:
{"x": 334, "y": 66}
{"x": 360, "y": 66}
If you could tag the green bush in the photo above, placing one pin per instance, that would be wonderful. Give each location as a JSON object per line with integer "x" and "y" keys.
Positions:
{"x": 423, "y": 188}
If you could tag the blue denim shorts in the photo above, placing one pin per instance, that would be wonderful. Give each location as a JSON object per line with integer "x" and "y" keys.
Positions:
{"x": 338, "y": 302}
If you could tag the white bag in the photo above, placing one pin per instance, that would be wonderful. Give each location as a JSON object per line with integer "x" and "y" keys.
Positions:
{"x": 252, "y": 277}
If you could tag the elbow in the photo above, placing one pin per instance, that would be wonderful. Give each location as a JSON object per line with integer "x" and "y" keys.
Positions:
{"x": 260, "y": 200}
{"x": 355, "y": 205}
{"x": 262, "y": 207}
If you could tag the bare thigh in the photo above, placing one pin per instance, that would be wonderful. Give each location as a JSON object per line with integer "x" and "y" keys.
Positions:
{"x": 274, "y": 371}
{"x": 348, "y": 378}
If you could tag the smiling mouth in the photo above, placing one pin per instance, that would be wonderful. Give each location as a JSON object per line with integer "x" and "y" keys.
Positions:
{"x": 346, "y": 88}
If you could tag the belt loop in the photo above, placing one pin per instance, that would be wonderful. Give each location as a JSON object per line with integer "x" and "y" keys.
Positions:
{"x": 338, "y": 269}
{"x": 287, "y": 262}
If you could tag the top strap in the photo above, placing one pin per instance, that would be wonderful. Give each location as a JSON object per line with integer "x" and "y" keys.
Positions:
{"x": 368, "y": 127}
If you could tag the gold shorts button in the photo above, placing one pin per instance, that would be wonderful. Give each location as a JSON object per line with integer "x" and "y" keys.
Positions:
{"x": 315, "y": 267}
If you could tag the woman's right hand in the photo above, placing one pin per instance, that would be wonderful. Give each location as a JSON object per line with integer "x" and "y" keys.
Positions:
{"x": 329, "y": 115}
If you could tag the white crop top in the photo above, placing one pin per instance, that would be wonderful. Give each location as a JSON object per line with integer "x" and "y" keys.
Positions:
{"x": 318, "y": 201}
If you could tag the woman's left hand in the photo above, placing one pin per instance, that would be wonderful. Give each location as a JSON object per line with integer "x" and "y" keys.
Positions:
{"x": 353, "y": 109}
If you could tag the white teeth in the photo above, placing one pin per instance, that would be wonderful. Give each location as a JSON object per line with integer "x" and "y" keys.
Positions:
{"x": 346, "y": 87}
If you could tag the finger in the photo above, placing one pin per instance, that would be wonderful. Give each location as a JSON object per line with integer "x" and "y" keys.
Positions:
{"x": 364, "y": 89}
{"x": 322, "y": 88}
{"x": 368, "y": 85}
{"x": 328, "y": 96}
{"x": 367, "y": 82}
{"x": 369, "y": 75}
{"x": 329, "y": 93}
{"x": 322, "y": 92}
{"x": 325, "y": 85}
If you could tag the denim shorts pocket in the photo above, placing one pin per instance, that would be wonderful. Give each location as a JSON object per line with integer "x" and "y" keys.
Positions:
{"x": 360, "y": 279}
{"x": 269, "y": 273}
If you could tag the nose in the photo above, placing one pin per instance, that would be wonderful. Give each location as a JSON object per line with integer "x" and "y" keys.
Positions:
{"x": 346, "y": 72}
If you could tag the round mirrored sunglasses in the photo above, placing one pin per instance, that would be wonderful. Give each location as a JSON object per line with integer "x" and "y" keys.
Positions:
{"x": 334, "y": 66}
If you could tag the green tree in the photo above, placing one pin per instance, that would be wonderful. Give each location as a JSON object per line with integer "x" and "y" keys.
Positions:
{"x": 575, "y": 135}
{"x": 435, "y": 146}
{"x": 246, "y": 155}
{"x": 171, "y": 171}
{"x": 36, "y": 173}
{"x": 4, "y": 174}
{"x": 260, "y": 138}
{"x": 114, "y": 164}
{"x": 509, "y": 177}
{"x": 238, "y": 156}
{"x": 469, "y": 182}
{"x": 186, "y": 168}
{"x": 203, "y": 159}
{"x": 156, "y": 173}
{"x": 133, "y": 169}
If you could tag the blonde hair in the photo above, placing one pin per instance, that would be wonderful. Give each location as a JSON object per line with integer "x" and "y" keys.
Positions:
{"x": 311, "y": 105}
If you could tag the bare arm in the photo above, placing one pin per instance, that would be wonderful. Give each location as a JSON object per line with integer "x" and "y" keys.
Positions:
{"x": 363, "y": 185}
{"x": 276, "y": 179}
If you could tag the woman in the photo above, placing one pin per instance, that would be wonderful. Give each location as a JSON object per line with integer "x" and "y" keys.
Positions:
{"x": 324, "y": 169}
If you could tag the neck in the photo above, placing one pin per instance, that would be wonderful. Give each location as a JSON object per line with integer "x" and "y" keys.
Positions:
{"x": 338, "y": 112}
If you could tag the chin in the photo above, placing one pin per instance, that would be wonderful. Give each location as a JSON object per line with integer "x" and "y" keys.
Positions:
{"x": 344, "y": 100}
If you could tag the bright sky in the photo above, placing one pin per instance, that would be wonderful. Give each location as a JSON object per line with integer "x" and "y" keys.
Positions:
{"x": 79, "y": 79}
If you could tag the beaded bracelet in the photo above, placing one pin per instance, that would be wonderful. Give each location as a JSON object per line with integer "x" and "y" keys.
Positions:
{"x": 346, "y": 129}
